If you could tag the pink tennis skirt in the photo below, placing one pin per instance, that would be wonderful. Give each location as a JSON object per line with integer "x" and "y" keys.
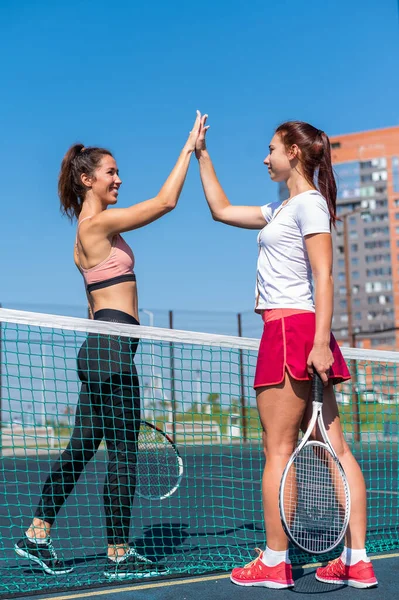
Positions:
{"x": 286, "y": 343}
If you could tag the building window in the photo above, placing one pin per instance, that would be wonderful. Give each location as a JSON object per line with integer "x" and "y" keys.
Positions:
{"x": 366, "y": 178}
{"x": 354, "y": 261}
{"x": 355, "y": 274}
{"x": 395, "y": 173}
{"x": 376, "y": 231}
{"x": 341, "y": 276}
{"x": 366, "y": 164}
{"x": 335, "y": 145}
{"x": 342, "y": 303}
{"x": 358, "y": 316}
{"x": 352, "y": 220}
{"x": 378, "y": 286}
{"x": 379, "y": 271}
{"x": 379, "y": 163}
{"x": 342, "y": 290}
{"x": 354, "y": 247}
{"x": 367, "y": 191}
{"x": 381, "y": 203}
{"x": 380, "y": 176}
{"x": 377, "y": 218}
{"x": 344, "y": 318}
{"x": 381, "y": 189}
{"x": 372, "y": 258}
{"x": 356, "y": 302}
{"x": 341, "y": 262}
{"x": 377, "y": 244}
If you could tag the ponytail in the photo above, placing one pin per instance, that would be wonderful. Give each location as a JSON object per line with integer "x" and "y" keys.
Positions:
{"x": 77, "y": 161}
{"x": 326, "y": 180}
{"x": 71, "y": 204}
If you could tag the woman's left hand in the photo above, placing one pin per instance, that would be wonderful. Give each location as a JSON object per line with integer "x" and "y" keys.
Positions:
{"x": 200, "y": 145}
{"x": 321, "y": 360}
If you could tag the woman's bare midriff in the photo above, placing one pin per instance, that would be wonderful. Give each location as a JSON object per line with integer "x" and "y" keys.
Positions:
{"x": 122, "y": 296}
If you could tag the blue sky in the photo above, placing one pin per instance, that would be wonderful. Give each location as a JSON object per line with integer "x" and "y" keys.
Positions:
{"x": 129, "y": 76}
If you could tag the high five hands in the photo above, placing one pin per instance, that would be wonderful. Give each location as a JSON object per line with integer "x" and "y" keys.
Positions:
{"x": 196, "y": 138}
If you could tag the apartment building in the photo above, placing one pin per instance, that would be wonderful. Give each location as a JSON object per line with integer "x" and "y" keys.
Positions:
{"x": 367, "y": 172}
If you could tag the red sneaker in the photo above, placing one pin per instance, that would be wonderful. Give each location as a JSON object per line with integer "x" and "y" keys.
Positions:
{"x": 359, "y": 575}
{"x": 258, "y": 574}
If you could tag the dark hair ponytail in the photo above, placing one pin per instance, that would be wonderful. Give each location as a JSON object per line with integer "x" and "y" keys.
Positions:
{"x": 325, "y": 178}
{"x": 77, "y": 161}
{"x": 315, "y": 158}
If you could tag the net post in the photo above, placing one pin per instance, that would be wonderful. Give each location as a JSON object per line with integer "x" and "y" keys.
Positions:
{"x": 351, "y": 333}
{"x": 172, "y": 379}
{"x": 242, "y": 396}
{"x": 356, "y": 412}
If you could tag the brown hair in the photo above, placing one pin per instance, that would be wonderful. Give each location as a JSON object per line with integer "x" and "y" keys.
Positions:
{"x": 77, "y": 161}
{"x": 315, "y": 158}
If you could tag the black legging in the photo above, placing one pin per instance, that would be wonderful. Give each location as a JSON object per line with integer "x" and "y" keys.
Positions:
{"x": 108, "y": 408}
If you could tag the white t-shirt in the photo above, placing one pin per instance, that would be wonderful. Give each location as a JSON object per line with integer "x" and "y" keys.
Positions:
{"x": 284, "y": 275}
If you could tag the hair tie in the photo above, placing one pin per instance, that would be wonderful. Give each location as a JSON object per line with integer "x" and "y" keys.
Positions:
{"x": 82, "y": 149}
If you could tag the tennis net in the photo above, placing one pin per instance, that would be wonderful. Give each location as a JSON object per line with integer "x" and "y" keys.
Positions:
{"x": 198, "y": 389}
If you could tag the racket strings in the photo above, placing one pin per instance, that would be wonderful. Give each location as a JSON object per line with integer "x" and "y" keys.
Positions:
{"x": 158, "y": 468}
{"x": 315, "y": 499}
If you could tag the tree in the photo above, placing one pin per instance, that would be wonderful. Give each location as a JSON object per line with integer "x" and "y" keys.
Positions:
{"x": 70, "y": 414}
{"x": 235, "y": 405}
{"x": 212, "y": 403}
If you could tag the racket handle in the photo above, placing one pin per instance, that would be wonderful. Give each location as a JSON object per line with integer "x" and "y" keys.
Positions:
{"x": 317, "y": 388}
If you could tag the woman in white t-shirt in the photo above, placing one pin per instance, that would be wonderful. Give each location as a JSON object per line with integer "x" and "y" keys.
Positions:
{"x": 295, "y": 248}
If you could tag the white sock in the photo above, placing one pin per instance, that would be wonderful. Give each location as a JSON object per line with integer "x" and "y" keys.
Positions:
{"x": 272, "y": 558}
{"x": 118, "y": 559}
{"x": 350, "y": 556}
{"x": 36, "y": 540}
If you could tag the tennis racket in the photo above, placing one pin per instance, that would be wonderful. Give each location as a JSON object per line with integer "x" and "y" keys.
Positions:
{"x": 314, "y": 492}
{"x": 159, "y": 464}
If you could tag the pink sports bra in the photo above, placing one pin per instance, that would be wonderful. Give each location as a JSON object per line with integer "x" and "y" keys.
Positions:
{"x": 116, "y": 268}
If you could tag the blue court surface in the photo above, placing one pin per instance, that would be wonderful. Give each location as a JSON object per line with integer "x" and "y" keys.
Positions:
{"x": 217, "y": 514}
{"x": 219, "y": 587}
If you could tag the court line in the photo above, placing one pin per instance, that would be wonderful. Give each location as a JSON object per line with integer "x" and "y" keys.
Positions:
{"x": 182, "y": 582}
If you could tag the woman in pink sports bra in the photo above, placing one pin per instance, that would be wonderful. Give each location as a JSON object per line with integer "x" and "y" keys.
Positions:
{"x": 109, "y": 399}
{"x": 294, "y": 249}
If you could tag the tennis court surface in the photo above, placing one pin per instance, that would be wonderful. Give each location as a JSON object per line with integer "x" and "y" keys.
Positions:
{"x": 219, "y": 586}
{"x": 197, "y": 387}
